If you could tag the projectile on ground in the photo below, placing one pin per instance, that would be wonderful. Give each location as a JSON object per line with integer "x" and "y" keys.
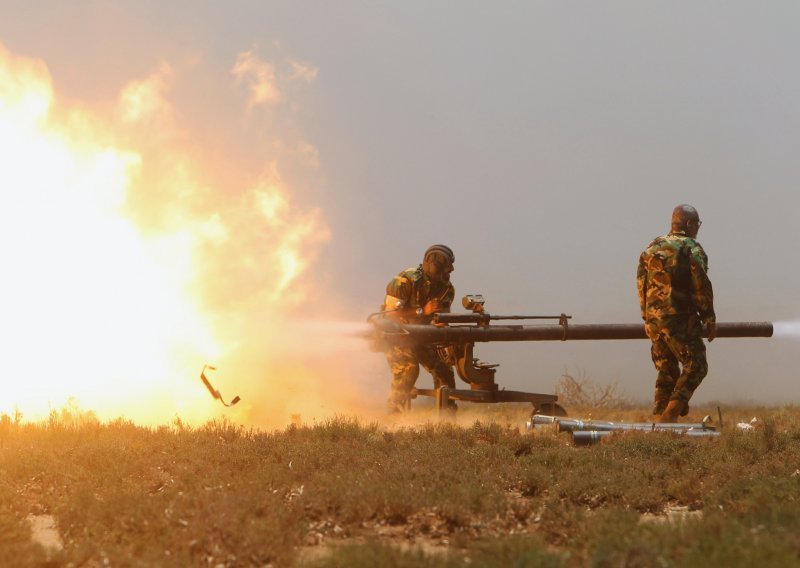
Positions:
{"x": 574, "y": 425}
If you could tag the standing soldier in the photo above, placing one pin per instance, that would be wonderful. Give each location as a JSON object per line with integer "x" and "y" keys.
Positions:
{"x": 676, "y": 299}
{"x": 411, "y": 297}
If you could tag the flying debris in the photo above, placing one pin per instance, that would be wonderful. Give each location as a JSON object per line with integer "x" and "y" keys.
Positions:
{"x": 214, "y": 392}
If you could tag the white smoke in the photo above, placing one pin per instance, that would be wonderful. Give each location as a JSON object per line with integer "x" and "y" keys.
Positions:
{"x": 323, "y": 337}
{"x": 786, "y": 329}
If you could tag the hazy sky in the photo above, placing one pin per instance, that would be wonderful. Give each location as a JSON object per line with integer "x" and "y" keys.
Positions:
{"x": 545, "y": 142}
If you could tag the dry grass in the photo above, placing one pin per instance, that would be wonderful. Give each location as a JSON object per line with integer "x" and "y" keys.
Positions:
{"x": 583, "y": 392}
{"x": 344, "y": 493}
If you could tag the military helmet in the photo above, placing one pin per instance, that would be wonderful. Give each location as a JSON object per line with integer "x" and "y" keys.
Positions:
{"x": 443, "y": 249}
{"x": 438, "y": 262}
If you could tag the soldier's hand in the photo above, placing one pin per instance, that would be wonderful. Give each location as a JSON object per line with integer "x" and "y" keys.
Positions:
{"x": 431, "y": 307}
{"x": 712, "y": 330}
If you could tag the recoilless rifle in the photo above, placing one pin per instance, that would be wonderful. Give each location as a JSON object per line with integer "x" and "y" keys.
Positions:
{"x": 454, "y": 336}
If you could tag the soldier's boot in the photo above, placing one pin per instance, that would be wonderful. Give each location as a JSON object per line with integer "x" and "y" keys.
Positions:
{"x": 665, "y": 384}
{"x": 673, "y": 410}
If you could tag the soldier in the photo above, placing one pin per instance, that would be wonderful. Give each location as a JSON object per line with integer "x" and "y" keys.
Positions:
{"x": 676, "y": 298}
{"x": 411, "y": 297}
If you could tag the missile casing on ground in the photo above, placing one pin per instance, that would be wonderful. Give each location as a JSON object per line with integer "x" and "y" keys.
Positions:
{"x": 414, "y": 334}
{"x": 573, "y": 424}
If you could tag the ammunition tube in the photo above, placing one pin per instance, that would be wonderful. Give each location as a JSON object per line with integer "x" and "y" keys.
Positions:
{"x": 541, "y": 419}
{"x": 576, "y": 425}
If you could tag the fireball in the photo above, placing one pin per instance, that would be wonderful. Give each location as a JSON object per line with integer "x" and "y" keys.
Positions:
{"x": 123, "y": 274}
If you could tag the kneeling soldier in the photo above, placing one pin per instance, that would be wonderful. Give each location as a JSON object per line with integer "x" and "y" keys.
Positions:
{"x": 411, "y": 297}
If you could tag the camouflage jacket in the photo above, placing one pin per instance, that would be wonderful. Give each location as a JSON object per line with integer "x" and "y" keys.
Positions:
{"x": 414, "y": 289}
{"x": 673, "y": 279}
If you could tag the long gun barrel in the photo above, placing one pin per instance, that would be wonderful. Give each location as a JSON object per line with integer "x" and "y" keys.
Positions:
{"x": 414, "y": 334}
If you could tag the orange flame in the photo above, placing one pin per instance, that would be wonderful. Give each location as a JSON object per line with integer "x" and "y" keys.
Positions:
{"x": 123, "y": 273}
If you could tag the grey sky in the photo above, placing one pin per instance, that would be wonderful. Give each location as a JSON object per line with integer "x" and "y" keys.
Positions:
{"x": 545, "y": 142}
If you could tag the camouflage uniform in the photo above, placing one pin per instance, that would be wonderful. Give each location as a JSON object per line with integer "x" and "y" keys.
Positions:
{"x": 414, "y": 289}
{"x": 676, "y": 297}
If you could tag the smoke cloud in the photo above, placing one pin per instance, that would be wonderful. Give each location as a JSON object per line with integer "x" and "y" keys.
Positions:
{"x": 259, "y": 77}
{"x": 786, "y": 329}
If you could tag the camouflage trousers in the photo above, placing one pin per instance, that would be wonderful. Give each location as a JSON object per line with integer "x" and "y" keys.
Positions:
{"x": 679, "y": 355}
{"x": 404, "y": 364}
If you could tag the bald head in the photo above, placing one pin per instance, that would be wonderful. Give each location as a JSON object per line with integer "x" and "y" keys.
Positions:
{"x": 686, "y": 219}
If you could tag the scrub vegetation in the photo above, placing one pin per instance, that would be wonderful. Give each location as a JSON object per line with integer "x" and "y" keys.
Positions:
{"x": 482, "y": 491}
